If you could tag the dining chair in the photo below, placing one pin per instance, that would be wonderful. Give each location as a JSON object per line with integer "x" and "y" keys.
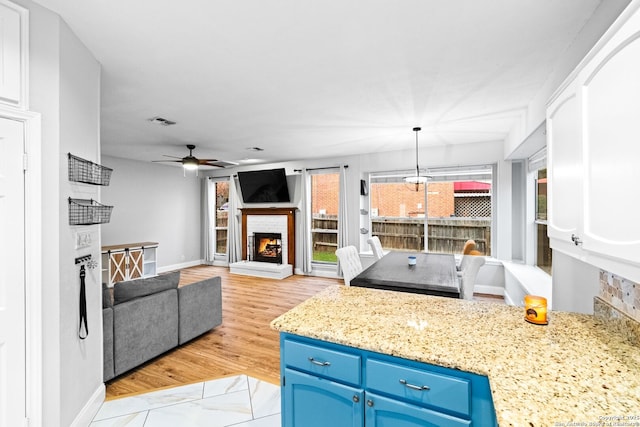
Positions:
{"x": 376, "y": 247}
{"x": 350, "y": 264}
{"x": 470, "y": 266}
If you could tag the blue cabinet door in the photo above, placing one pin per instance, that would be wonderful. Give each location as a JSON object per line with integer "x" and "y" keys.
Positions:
{"x": 311, "y": 401}
{"x": 385, "y": 412}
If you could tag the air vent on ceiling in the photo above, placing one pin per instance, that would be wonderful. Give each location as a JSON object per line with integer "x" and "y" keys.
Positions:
{"x": 161, "y": 121}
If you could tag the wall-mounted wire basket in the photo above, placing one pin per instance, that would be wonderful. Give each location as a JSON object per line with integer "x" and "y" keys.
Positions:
{"x": 88, "y": 211}
{"x": 81, "y": 170}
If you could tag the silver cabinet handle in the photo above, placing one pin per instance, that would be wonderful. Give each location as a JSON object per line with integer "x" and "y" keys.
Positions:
{"x": 370, "y": 403}
{"x": 356, "y": 398}
{"x": 414, "y": 387}
{"x": 319, "y": 363}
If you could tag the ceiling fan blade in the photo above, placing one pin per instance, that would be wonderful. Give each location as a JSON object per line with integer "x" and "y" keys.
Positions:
{"x": 157, "y": 161}
{"x": 203, "y": 161}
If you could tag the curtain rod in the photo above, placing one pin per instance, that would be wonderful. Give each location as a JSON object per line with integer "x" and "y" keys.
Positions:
{"x": 317, "y": 169}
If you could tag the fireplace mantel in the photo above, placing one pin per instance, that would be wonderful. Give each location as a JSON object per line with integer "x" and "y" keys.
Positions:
{"x": 291, "y": 235}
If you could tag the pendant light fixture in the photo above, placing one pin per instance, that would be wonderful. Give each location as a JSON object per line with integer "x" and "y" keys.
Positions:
{"x": 416, "y": 180}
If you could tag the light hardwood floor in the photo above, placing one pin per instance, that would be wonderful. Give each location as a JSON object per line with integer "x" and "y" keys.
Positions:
{"x": 243, "y": 344}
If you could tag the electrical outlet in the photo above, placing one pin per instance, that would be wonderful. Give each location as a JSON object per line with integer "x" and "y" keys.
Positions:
{"x": 83, "y": 240}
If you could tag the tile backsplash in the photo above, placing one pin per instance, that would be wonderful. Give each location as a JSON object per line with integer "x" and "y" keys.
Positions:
{"x": 621, "y": 293}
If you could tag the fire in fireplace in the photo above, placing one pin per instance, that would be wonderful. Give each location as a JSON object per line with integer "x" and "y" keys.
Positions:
{"x": 267, "y": 247}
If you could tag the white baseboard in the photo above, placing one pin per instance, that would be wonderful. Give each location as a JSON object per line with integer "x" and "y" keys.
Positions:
{"x": 90, "y": 408}
{"x": 180, "y": 266}
{"x": 489, "y": 290}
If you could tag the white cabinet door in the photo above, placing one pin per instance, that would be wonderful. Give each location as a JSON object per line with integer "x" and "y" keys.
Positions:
{"x": 564, "y": 166}
{"x": 612, "y": 152}
{"x": 13, "y": 54}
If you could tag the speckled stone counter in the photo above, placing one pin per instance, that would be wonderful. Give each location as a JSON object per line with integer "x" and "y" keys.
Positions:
{"x": 573, "y": 370}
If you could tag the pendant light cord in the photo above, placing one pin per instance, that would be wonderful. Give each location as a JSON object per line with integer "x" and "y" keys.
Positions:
{"x": 416, "y": 130}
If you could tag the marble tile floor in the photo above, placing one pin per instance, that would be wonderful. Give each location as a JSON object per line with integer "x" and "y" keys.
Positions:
{"x": 238, "y": 401}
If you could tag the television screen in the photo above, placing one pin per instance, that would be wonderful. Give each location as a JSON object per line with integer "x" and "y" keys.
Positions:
{"x": 264, "y": 186}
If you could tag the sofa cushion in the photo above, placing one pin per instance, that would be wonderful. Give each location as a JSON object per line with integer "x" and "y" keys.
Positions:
{"x": 107, "y": 296}
{"x": 125, "y": 291}
{"x": 144, "y": 328}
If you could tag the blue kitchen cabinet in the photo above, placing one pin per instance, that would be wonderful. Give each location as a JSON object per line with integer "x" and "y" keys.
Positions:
{"x": 317, "y": 402}
{"x": 327, "y": 384}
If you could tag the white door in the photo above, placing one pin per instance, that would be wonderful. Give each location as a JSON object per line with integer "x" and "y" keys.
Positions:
{"x": 12, "y": 275}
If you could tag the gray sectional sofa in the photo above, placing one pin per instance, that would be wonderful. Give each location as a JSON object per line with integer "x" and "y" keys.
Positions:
{"x": 144, "y": 318}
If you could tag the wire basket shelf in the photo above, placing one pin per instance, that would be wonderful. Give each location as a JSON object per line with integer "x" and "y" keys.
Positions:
{"x": 81, "y": 170}
{"x": 88, "y": 212}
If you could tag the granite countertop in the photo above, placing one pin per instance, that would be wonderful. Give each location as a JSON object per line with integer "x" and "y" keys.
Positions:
{"x": 572, "y": 370}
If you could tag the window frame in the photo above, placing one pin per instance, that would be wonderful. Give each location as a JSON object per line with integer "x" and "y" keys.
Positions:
{"x": 214, "y": 228}
{"x": 319, "y": 264}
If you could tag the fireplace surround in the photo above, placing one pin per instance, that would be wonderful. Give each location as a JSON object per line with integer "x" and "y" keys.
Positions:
{"x": 289, "y": 213}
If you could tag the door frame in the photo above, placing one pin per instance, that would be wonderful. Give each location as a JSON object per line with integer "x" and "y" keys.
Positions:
{"x": 33, "y": 258}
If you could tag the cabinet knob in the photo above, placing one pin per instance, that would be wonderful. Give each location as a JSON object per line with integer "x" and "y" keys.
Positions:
{"x": 370, "y": 402}
{"x": 356, "y": 398}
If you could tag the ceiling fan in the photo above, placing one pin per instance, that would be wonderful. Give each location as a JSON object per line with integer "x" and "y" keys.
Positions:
{"x": 191, "y": 163}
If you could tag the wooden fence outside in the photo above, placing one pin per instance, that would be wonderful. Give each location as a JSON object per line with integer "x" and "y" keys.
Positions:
{"x": 446, "y": 235}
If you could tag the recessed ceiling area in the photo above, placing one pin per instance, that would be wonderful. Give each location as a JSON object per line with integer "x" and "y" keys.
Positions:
{"x": 309, "y": 79}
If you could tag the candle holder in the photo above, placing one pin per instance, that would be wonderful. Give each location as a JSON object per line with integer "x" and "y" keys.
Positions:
{"x": 535, "y": 310}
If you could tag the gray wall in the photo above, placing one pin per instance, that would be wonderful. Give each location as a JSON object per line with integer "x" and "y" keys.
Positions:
{"x": 154, "y": 203}
{"x": 65, "y": 88}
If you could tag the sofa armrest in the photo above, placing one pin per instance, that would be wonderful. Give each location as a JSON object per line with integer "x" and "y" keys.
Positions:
{"x": 200, "y": 307}
{"x": 107, "y": 342}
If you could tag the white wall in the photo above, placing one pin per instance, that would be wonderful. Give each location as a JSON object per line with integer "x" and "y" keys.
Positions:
{"x": 79, "y": 135}
{"x": 154, "y": 203}
{"x": 575, "y": 284}
{"x": 64, "y": 87}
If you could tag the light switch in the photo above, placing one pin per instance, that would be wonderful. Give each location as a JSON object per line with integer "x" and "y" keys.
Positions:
{"x": 83, "y": 240}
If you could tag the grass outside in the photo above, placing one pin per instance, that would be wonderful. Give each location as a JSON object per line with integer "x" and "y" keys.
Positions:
{"x": 324, "y": 256}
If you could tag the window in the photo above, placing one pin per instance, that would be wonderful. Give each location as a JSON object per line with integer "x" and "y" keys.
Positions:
{"x": 456, "y": 206}
{"x": 543, "y": 251}
{"x": 325, "y": 190}
{"x": 221, "y": 216}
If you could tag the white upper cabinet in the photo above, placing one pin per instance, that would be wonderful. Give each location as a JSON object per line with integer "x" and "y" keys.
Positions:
{"x": 13, "y": 54}
{"x": 612, "y": 152}
{"x": 564, "y": 165}
{"x": 593, "y": 135}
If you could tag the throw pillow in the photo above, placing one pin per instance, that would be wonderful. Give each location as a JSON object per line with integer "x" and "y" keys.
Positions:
{"x": 125, "y": 291}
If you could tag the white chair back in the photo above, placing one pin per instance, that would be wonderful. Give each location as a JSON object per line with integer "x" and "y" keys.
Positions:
{"x": 376, "y": 247}
{"x": 349, "y": 262}
{"x": 470, "y": 266}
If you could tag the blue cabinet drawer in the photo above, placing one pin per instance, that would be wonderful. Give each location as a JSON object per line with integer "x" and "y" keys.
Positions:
{"x": 323, "y": 362}
{"x": 429, "y": 389}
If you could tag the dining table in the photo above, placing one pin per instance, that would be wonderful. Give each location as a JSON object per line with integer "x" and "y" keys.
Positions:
{"x": 432, "y": 274}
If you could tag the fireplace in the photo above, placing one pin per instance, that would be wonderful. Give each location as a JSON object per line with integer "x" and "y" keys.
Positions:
{"x": 267, "y": 247}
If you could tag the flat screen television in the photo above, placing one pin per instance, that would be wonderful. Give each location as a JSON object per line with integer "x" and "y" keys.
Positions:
{"x": 264, "y": 186}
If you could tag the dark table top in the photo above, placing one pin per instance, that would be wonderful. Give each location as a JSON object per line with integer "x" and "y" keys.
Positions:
{"x": 433, "y": 274}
